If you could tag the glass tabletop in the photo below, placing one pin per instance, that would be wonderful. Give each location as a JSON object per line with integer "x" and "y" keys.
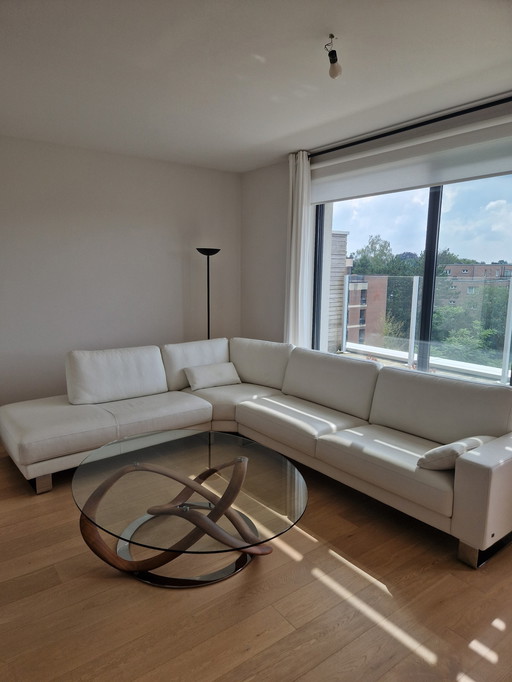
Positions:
{"x": 189, "y": 491}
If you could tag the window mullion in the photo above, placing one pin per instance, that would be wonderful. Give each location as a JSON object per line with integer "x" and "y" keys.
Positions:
{"x": 429, "y": 277}
{"x": 318, "y": 273}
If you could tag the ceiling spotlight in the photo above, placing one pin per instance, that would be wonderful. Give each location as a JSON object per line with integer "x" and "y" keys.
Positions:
{"x": 335, "y": 66}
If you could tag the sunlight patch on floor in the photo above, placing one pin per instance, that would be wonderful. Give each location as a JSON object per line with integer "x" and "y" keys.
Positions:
{"x": 287, "y": 549}
{"x": 483, "y": 651}
{"x": 412, "y": 644}
{"x": 280, "y": 544}
{"x": 360, "y": 572}
{"x": 499, "y": 624}
{"x": 462, "y": 677}
{"x": 305, "y": 534}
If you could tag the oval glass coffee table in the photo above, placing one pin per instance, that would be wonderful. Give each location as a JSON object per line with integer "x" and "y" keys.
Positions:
{"x": 168, "y": 497}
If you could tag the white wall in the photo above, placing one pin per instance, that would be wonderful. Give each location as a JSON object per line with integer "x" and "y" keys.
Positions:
{"x": 98, "y": 250}
{"x": 264, "y": 247}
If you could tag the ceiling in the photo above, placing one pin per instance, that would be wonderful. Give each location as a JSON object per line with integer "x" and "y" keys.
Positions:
{"x": 237, "y": 84}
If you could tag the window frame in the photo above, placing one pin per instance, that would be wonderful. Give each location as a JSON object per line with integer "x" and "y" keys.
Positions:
{"x": 421, "y": 344}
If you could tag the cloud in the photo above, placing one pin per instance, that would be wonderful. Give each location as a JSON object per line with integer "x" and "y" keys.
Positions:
{"x": 476, "y": 219}
{"x": 400, "y": 218}
{"x": 498, "y": 204}
{"x": 450, "y": 193}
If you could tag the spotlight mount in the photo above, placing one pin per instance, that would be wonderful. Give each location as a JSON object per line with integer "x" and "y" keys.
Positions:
{"x": 335, "y": 66}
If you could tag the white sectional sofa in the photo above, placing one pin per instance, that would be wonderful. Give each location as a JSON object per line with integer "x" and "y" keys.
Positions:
{"x": 436, "y": 448}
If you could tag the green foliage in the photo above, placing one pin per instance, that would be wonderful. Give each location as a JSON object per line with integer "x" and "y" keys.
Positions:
{"x": 494, "y": 311}
{"x": 446, "y": 320}
{"x": 446, "y": 257}
{"x": 395, "y": 334}
{"x": 398, "y": 303}
{"x": 472, "y": 330}
{"x": 475, "y": 344}
{"x": 377, "y": 258}
{"x": 374, "y": 258}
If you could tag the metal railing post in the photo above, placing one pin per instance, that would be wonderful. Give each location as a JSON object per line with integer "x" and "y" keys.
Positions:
{"x": 414, "y": 314}
{"x": 506, "y": 343}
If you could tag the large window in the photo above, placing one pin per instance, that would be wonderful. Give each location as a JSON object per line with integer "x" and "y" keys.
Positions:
{"x": 421, "y": 278}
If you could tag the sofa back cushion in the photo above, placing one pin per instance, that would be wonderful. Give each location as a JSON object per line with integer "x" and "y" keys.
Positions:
{"x": 178, "y": 356}
{"x": 260, "y": 362}
{"x": 344, "y": 384}
{"x": 439, "y": 408}
{"x": 100, "y": 376}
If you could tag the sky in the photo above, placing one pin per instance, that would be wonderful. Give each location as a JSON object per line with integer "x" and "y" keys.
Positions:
{"x": 476, "y": 219}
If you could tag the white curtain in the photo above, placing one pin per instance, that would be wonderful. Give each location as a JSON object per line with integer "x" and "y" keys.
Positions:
{"x": 299, "y": 295}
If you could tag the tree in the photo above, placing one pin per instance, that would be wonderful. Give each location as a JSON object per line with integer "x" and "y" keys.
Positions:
{"x": 447, "y": 257}
{"x": 398, "y": 303}
{"x": 374, "y": 258}
{"x": 494, "y": 311}
{"x": 448, "y": 319}
{"x": 394, "y": 333}
{"x": 473, "y": 344}
{"x": 377, "y": 258}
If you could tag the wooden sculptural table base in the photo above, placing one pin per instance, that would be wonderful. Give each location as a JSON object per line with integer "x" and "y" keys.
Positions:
{"x": 247, "y": 543}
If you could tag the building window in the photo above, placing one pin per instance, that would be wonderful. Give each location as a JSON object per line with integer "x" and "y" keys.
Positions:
{"x": 363, "y": 296}
{"x": 464, "y": 271}
{"x": 447, "y": 271}
{"x": 471, "y": 290}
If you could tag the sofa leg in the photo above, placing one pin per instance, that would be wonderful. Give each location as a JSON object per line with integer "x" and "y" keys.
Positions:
{"x": 469, "y": 555}
{"x": 477, "y": 557}
{"x": 42, "y": 484}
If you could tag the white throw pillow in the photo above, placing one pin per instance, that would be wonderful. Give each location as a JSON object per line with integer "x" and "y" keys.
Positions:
{"x": 207, "y": 376}
{"x": 445, "y": 456}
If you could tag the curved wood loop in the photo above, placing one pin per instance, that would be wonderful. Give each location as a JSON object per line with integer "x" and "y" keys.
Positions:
{"x": 203, "y": 524}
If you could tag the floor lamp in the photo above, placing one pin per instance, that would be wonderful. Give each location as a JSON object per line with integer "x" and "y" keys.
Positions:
{"x": 208, "y": 253}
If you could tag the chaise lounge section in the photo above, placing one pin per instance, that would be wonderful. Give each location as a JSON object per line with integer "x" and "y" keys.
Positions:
{"x": 436, "y": 448}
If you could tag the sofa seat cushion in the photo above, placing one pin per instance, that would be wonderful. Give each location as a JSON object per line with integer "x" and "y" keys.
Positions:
{"x": 162, "y": 412}
{"x": 224, "y": 399}
{"x": 46, "y": 428}
{"x": 292, "y": 421}
{"x": 388, "y": 459}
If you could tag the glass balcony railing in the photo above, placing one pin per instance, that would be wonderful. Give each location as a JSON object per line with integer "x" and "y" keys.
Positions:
{"x": 471, "y": 325}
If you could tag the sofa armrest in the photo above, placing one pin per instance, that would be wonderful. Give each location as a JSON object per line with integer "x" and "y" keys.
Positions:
{"x": 482, "y": 509}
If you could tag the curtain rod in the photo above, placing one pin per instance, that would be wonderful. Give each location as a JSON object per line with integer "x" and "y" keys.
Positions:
{"x": 411, "y": 126}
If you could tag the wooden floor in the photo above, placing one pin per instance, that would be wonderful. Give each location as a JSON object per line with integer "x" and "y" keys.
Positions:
{"x": 356, "y": 592}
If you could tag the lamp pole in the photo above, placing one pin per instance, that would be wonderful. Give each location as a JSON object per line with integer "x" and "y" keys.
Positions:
{"x": 208, "y": 252}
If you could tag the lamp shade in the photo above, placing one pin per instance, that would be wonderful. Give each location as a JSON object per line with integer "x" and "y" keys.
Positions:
{"x": 208, "y": 252}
